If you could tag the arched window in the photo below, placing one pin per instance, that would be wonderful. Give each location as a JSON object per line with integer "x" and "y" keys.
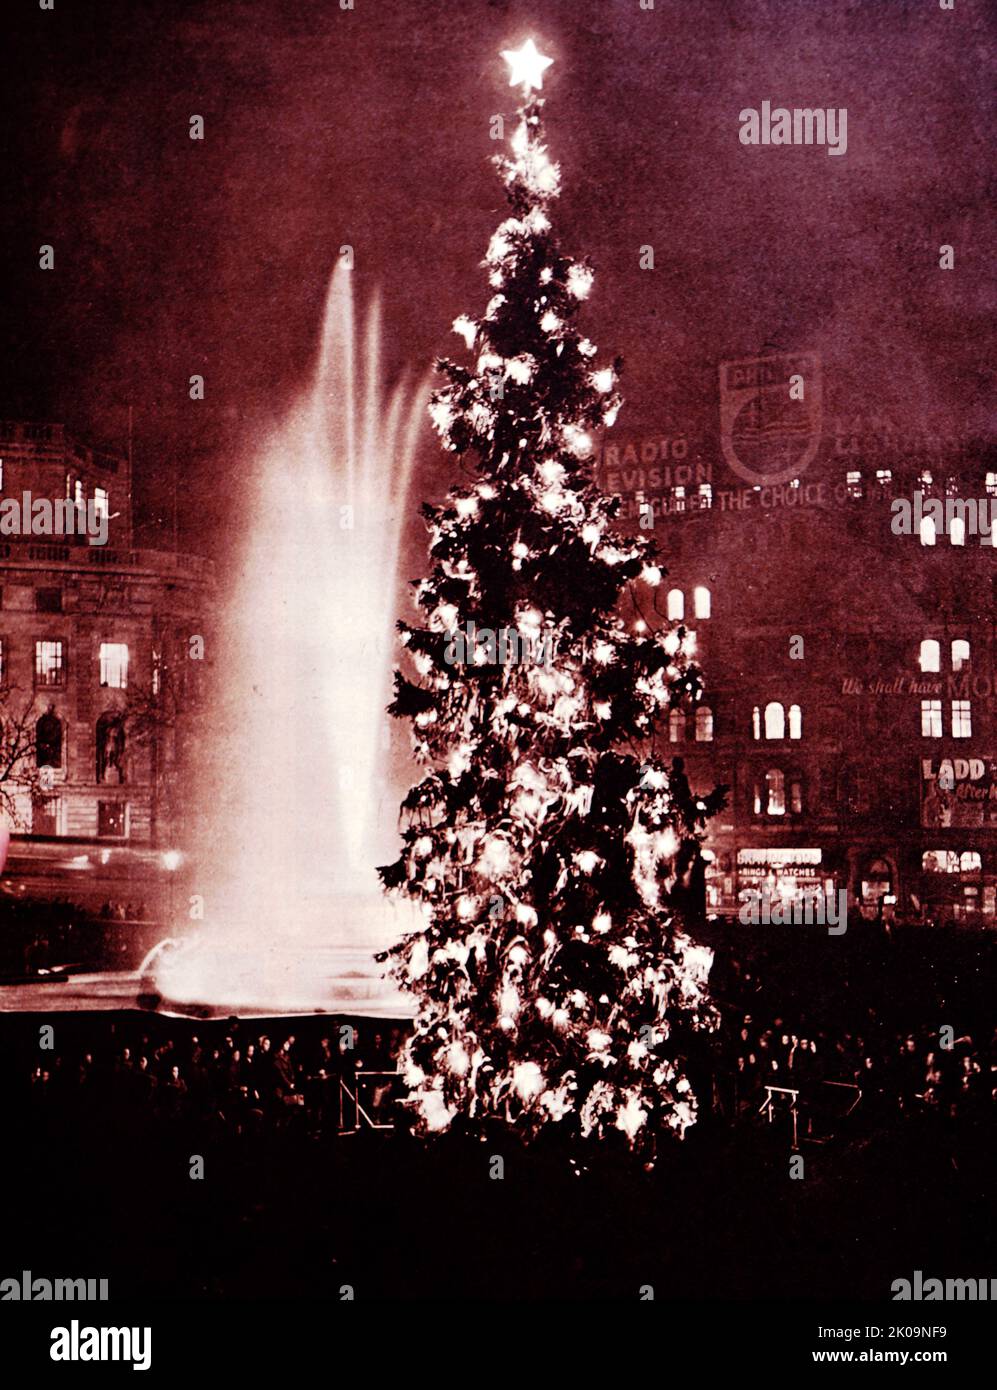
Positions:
{"x": 957, "y": 531}
{"x": 795, "y": 722}
{"x": 48, "y": 739}
{"x": 931, "y": 655}
{"x": 877, "y": 882}
{"x": 960, "y": 654}
{"x": 775, "y": 720}
{"x": 704, "y": 724}
{"x": 756, "y": 722}
{"x": 111, "y": 748}
{"x": 676, "y": 726}
{"x": 775, "y": 793}
{"x": 676, "y": 605}
{"x": 796, "y": 797}
{"x": 928, "y": 536}
{"x": 970, "y": 862}
{"x": 701, "y": 601}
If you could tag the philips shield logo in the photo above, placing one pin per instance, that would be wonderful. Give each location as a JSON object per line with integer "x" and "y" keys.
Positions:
{"x": 771, "y": 415}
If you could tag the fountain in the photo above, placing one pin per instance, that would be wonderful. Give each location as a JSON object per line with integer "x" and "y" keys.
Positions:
{"x": 298, "y": 810}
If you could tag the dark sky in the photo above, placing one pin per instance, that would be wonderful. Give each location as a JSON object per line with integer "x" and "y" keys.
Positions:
{"x": 371, "y": 127}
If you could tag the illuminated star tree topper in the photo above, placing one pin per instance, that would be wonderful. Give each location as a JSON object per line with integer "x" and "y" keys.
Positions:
{"x": 527, "y": 66}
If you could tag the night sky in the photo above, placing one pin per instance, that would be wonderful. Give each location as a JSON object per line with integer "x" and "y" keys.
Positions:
{"x": 371, "y": 127}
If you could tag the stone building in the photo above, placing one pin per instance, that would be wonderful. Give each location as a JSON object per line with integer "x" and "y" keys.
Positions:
{"x": 100, "y": 648}
{"x": 850, "y": 668}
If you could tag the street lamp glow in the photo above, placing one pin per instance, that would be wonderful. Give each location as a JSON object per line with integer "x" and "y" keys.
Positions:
{"x": 171, "y": 860}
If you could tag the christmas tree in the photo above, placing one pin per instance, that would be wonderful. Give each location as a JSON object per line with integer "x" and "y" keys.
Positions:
{"x": 547, "y": 843}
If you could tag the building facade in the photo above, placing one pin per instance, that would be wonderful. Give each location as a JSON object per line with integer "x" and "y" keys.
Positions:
{"x": 101, "y": 650}
{"x": 849, "y": 657}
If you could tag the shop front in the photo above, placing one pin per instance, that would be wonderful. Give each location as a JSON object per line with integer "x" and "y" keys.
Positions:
{"x": 772, "y": 871}
{"x": 958, "y": 880}
{"x": 959, "y": 885}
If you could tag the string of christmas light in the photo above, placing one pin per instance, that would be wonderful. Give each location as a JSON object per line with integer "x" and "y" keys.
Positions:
{"x": 546, "y": 842}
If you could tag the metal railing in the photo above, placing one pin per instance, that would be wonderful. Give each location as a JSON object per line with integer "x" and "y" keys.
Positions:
{"x": 357, "y": 1111}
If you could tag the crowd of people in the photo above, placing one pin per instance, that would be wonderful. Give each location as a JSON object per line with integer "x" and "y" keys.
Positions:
{"x": 761, "y": 1069}
{"x": 245, "y": 1081}
{"x": 882, "y": 1040}
{"x": 870, "y": 1048}
{"x": 773, "y": 1066}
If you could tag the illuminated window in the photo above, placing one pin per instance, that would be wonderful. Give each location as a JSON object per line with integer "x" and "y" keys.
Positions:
{"x": 991, "y": 484}
{"x": 676, "y": 605}
{"x": 931, "y": 718}
{"x": 79, "y": 498}
{"x": 957, "y": 531}
{"x": 114, "y": 665}
{"x": 49, "y": 668}
{"x": 676, "y": 726}
{"x": 756, "y": 722}
{"x": 884, "y": 478}
{"x": 679, "y": 495}
{"x": 926, "y": 479}
{"x": 853, "y": 482}
{"x": 960, "y": 653}
{"x": 704, "y": 724}
{"x": 950, "y": 861}
{"x": 931, "y": 655}
{"x": 775, "y": 720}
{"x": 706, "y": 494}
{"x": 101, "y": 503}
{"x": 928, "y": 536}
{"x": 796, "y": 797}
{"x": 795, "y": 722}
{"x": 701, "y": 601}
{"x": 775, "y": 793}
{"x": 962, "y": 719}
